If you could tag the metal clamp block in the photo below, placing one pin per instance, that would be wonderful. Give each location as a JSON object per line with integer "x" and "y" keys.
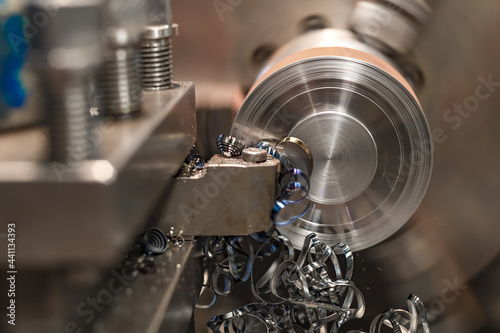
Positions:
{"x": 228, "y": 197}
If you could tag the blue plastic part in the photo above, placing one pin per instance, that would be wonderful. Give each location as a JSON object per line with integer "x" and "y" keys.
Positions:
{"x": 13, "y": 53}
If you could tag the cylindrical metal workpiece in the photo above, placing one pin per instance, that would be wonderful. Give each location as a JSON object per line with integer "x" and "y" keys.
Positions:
{"x": 361, "y": 123}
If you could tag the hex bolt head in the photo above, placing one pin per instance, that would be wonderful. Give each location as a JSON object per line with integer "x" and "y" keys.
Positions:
{"x": 254, "y": 155}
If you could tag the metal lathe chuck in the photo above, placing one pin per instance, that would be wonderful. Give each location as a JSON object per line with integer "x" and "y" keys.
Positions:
{"x": 367, "y": 135}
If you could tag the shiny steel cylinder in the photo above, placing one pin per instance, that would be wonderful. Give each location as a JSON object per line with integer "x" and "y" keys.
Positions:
{"x": 369, "y": 140}
{"x": 156, "y": 51}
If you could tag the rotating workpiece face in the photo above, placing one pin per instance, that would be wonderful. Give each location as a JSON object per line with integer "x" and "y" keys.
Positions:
{"x": 368, "y": 139}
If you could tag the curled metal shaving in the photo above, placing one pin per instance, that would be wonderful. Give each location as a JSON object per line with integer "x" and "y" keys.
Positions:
{"x": 292, "y": 185}
{"x": 288, "y": 189}
{"x": 400, "y": 321}
{"x": 197, "y": 160}
{"x": 233, "y": 263}
{"x": 298, "y": 294}
{"x": 293, "y": 192}
{"x": 204, "y": 287}
{"x": 252, "y": 317}
{"x": 154, "y": 241}
{"x": 191, "y": 165}
{"x": 271, "y": 150}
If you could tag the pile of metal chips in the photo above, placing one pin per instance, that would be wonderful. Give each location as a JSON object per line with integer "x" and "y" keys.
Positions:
{"x": 307, "y": 293}
{"x": 366, "y": 134}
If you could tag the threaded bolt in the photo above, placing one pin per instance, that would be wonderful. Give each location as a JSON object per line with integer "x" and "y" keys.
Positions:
{"x": 156, "y": 48}
{"x": 68, "y": 119}
{"x": 119, "y": 82}
{"x": 65, "y": 53}
{"x": 156, "y": 63}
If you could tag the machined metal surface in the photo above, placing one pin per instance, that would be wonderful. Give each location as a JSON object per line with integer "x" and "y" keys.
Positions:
{"x": 296, "y": 151}
{"x": 321, "y": 38}
{"x": 156, "y": 63}
{"x": 368, "y": 137}
{"x": 156, "y": 47}
{"x": 107, "y": 199}
{"x": 229, "y": 197}
{"x": 254, "y": 155}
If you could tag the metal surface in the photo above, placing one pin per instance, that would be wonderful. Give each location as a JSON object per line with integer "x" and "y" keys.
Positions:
{"x": 297, "y": 152}
{"x": 231, "y": 35}
{"x": 369, "y": 141}
{"x": 107, "y": 199}
{"x": 156, "y": 63}
{"x": 119, "y": 83}
{"x": 119, "y": 80}
{"x": 321, "y": 38}
{"x": 229, "y": 197}
{"x": 160, "y": 301}
{"x": 138, "y": 293}
{"x": 229, "y": 146}
{"x": 254, "y": 155}
{"x": 390, "y": 26}
{"x": 65, "y": 58}
{"x": 216, "y": 109}
{"x": 156, "y": 47}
